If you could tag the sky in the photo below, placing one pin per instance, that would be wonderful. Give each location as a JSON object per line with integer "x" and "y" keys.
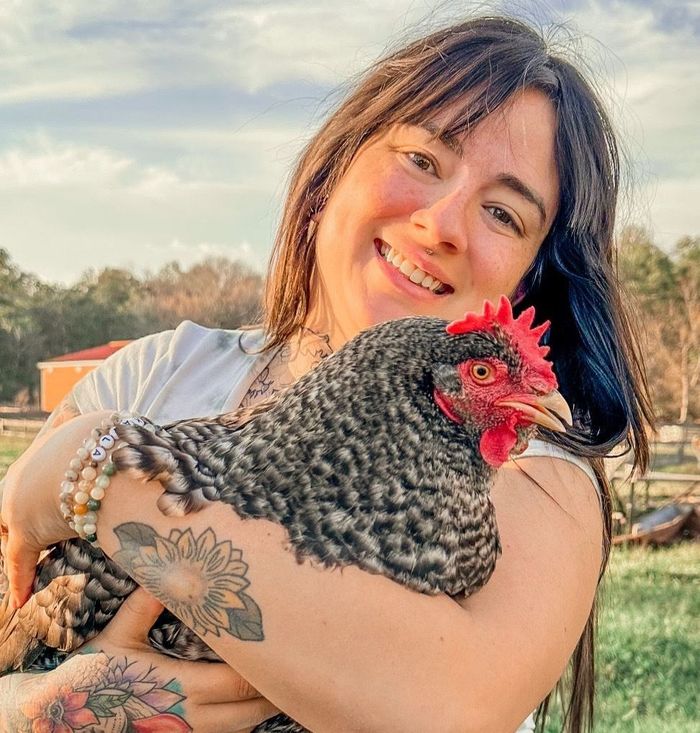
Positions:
{"x": 137, "y": 133}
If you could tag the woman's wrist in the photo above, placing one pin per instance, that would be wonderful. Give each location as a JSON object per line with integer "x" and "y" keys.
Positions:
{"x": 35, "y": 525}
{"x": 90, "y": 472}
{"x": 10, "y": 700}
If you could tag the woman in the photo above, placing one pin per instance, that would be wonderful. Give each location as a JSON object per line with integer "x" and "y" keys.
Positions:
{"x": 469, "y": 164}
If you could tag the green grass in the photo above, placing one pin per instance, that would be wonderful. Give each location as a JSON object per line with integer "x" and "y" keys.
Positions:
{"x": 648, "y": 642}
{"x": 10, "y": 449}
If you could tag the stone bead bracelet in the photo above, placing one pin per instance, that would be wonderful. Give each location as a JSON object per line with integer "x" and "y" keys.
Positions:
{"x": 82, "y": 489}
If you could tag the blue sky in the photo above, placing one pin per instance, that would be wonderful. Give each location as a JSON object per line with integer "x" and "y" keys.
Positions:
{"x": 133, "y": 134}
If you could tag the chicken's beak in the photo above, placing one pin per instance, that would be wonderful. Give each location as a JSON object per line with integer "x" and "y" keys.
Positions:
{"x": 549, "y": 410}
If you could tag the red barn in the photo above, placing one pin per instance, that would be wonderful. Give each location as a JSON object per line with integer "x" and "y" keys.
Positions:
{"x": 60, "y": 374}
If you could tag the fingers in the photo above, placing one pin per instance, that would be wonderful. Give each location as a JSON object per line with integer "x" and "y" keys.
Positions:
{"x": 20, "y": 568}
{"x": 216, "y": 683}
{"x": 134, "y": 619}
{"x": 239, "y": 717}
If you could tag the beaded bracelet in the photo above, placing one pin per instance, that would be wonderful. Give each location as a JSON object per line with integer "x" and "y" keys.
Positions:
{"x": 82, "y": 490}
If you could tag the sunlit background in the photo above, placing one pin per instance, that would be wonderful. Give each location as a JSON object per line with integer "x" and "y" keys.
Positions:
{"x": 133, "y": 134}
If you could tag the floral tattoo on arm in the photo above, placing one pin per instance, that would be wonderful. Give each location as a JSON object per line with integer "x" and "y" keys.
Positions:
{"x": 200, "y": 580}
{"x": 109, "y": 693}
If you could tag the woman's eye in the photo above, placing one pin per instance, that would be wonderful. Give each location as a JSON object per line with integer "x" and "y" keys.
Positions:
{"x": 504, "y": 217}
{"x": 421, "y": 161}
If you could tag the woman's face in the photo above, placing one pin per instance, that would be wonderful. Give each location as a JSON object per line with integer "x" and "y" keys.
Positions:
{"x": 423, "y": 226}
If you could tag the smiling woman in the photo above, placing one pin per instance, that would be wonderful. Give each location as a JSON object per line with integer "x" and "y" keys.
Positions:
{"x": 469, "y": 165}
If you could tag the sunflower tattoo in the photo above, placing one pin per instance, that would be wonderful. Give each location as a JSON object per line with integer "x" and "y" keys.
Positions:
{"x": 199, "y": 579}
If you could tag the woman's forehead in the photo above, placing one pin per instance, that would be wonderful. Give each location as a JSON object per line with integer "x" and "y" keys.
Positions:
{"x": 459, "y": 119}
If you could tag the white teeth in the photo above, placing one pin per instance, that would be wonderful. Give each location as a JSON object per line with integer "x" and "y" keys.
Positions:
{"x": 408, "y": 269}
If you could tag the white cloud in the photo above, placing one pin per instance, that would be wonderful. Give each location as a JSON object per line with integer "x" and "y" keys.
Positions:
{"x": 673, "y": 211}
{"x": 82, "y": 49}
{"x": 68, "y": 207}
{"x": 42, "y": 162}
{"x": 655, "y": 79}
{"x": 189, "y": 253}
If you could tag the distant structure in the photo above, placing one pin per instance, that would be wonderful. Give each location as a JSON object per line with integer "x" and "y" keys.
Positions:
{"x": 60, "y": 374}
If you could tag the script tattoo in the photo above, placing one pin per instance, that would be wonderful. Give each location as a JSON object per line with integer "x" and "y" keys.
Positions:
{"x": 276, "y": 377}
{"x": 92, "y": 692}
{"x": 262, "y": 386}
{"x": 199, "y": 579}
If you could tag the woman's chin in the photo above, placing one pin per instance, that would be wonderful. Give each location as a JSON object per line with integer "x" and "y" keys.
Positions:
{"x": 380, "y": 312}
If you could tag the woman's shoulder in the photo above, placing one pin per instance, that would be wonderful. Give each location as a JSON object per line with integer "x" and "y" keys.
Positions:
{"x": 188, "y": 370}
{"x": 549, "y": 489}
{"x": 542, "y": 449}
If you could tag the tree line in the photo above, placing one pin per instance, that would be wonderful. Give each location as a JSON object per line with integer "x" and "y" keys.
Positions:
{"x": 39, "y": 320}
{"x": 664, "y": 290}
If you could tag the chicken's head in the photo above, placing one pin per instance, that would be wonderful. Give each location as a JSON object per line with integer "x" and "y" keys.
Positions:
{"x": 502, "y": 386}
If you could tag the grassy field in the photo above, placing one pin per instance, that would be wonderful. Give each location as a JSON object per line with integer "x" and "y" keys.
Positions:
{"x": 648, "y": 663}
{"x": 10, "y": 448}
{"x": 647, "y": 657}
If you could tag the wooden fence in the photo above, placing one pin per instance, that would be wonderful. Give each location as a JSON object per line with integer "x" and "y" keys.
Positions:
{"x": 20, "y": 427}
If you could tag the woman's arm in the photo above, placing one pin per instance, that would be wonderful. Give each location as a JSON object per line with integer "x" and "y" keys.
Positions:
{"x": 119, "y": 682}
{"x": 64, "y": 412}
{"x": 347, "y": 650}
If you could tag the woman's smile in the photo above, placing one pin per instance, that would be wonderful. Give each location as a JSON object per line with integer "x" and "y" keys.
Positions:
{"x": 409, "y": 276}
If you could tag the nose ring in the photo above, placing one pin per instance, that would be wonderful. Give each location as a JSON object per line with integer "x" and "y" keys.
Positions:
{"x": 429, "y": 251}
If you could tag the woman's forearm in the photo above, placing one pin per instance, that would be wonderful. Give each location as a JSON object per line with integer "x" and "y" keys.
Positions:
{"x": 368, "y": 648}
{"x": 8, "y": 699}
{"x": 12, "y": 687}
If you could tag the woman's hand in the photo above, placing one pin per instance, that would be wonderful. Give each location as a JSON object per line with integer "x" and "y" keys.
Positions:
{"x": 119, "y": 683}
{"x": 30, "y": 501}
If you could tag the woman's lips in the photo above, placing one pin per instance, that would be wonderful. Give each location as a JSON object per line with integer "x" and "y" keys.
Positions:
{"x": 401, "y": 280}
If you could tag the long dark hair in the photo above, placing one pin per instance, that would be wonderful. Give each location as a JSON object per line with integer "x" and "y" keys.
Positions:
{"x": 573, "y": 280}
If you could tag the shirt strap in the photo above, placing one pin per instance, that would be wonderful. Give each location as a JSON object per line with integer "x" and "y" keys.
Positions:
{"x": 540, "y": 448}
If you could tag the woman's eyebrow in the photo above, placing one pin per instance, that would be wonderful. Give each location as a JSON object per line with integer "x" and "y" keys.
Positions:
{"x": 444, "y": 137}
{"x": 520, "y": 187}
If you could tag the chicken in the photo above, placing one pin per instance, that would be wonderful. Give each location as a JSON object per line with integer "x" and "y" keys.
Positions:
{"x": 382, "y": 457}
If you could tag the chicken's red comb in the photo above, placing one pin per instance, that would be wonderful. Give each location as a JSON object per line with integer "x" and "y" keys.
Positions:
{"x": 519, "y": 329}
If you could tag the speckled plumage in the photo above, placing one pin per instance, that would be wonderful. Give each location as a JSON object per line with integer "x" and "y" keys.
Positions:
{"x": 355, "y": 460}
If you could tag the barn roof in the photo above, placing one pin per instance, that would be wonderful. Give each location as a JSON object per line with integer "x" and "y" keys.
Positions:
{"x": 95, "y": 353}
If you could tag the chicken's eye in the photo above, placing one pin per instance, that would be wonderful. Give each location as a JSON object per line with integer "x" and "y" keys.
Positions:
{"x": 481, "y": 372}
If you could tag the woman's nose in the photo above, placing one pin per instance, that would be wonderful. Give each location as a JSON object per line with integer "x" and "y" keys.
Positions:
{"x": 442, "y": 223}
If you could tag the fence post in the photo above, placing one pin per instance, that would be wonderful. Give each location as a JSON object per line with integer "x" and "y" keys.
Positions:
{"x": 631, "y": 510}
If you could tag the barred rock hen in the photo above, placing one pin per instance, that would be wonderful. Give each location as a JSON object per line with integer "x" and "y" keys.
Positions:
{"x": 381, "y": 457}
